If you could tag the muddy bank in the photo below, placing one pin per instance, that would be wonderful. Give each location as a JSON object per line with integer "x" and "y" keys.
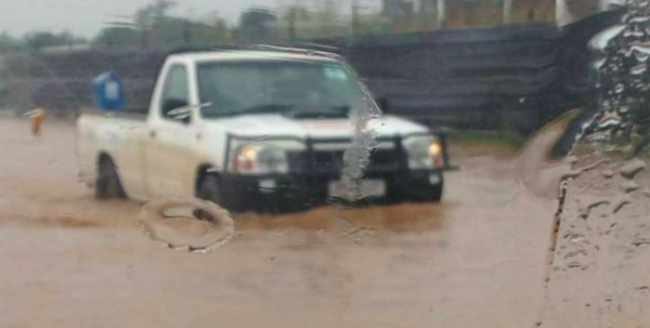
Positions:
{"x": 600, "y": 271}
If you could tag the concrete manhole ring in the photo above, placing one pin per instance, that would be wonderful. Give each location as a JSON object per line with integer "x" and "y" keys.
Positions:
{"x": 191, "y": 224}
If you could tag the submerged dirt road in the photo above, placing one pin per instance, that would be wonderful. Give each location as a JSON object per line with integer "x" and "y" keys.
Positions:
{"x": 66, "y": 260}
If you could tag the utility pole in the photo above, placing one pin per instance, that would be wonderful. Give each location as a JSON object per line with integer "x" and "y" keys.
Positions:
{"x": 507, "y": 11}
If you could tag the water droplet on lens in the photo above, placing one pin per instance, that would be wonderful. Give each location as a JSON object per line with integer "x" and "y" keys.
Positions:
{"x": 619, "y": 88}
{"x": 639, "y": 69}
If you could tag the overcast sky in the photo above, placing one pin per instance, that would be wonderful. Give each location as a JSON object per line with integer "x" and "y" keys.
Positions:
{"x": 86, "y": 17}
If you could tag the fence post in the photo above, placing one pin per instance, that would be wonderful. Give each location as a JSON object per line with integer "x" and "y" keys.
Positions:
{"x": 507, "y": 11}
{"x": 441, "y": 12}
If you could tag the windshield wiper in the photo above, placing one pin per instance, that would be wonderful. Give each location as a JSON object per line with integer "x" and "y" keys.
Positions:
{"x": 332, "y": 112}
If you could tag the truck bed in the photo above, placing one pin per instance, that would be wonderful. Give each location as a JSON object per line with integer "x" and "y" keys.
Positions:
{"x": 134, "y": 114}
{"x": 121, "y": 135}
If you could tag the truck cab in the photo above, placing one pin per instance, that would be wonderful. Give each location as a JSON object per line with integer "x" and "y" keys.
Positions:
{"x": 241, "y": 127}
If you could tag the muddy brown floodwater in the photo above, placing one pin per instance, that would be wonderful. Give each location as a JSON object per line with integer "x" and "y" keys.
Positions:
{"x": 66, "y": 260}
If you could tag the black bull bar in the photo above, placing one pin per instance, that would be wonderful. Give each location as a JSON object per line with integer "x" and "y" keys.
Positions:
{"x": 310, "y": 163}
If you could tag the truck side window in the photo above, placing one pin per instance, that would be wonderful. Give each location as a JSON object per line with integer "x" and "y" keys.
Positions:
{"x": 175, "y": 91}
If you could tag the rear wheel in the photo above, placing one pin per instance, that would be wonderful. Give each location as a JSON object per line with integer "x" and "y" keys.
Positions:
{"x": 108, "y": 184}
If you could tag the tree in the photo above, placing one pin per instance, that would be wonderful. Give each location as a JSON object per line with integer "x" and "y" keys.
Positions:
{"x": 213, "y": 32}
{"x": 118, "y": 37}
{"x": 328, "y": 17}
{"x": 294, "y": 14}
{"x": 257, "y": 25}
{"x": 148, "y": 20}
{"x": 9, "y": 42}
{"x": 151, "y": 14}
{"x": 217, "y": 29}
{"x": 37, "y": 41}
{"x": 153, "y": 26}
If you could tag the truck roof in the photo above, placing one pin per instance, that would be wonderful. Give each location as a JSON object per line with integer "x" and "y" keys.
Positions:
{"x": 273, "y": 53}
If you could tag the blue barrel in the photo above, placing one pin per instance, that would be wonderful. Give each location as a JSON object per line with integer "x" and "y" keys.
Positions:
{"x": 109, "y": 92}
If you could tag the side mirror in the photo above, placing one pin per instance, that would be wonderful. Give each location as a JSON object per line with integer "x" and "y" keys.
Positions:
{"x": 384, "y": 105}
{"x": 177, "y": 110}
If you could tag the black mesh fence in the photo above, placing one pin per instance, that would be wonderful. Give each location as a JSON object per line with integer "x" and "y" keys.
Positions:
{"x": 474, "y": 78}
{"x": 514, "y": 77}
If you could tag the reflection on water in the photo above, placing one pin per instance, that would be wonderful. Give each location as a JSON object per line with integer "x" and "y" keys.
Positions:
{"x": 399, "y": 218}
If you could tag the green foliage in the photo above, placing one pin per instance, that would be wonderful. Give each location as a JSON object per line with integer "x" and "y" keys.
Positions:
{"x": 9, "y": 43}
{"x": 487, "y": 141}
{"x": 37, "y": 41}
{"x": 119, "y": 37}
{"x": 257, "y": 26}
{"x": 153, "y": 13}
{"x": 154, "y": 27}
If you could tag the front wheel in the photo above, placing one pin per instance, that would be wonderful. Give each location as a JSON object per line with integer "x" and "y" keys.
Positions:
{"x": 417, "y": 191}
{"x": 436, "y": 193}
{"x": 211, "y": 189}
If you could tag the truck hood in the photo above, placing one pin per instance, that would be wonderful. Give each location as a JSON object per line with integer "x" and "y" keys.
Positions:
{"x": 277, "y": 125}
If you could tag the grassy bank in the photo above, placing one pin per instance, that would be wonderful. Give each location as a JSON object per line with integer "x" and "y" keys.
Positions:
{"x": 479, "y": 143}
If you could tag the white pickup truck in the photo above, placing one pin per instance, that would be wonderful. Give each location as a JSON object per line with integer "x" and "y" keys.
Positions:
{"x": 243, "y": 127}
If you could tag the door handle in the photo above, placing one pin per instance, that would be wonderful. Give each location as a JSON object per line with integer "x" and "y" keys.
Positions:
{"x": 153, "y": 134}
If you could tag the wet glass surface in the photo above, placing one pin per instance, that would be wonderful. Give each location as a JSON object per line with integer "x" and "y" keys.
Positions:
{"x": 348, "y": 163}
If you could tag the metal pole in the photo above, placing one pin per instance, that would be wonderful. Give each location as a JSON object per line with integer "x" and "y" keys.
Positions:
{"x": 507, "y": 11}
{"x": 441, "y": 12}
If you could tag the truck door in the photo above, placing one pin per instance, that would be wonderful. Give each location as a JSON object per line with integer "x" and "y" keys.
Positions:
{"x": 169, "y": 156}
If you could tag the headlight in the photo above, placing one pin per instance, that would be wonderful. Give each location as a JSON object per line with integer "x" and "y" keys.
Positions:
{"x": 261, "y": 159}
{"x": 424, "y": 152}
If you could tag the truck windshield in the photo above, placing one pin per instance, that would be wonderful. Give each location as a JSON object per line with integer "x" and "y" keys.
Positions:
{"x": 297, "y": 89}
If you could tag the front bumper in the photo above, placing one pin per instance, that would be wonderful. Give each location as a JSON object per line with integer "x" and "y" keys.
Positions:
{"x": 313, "y": 169}
{"x": 315, "y": 188}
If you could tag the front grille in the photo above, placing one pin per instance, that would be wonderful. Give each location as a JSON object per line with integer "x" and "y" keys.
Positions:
{"x": 331, "y": 162}
{"x": 323, "y": 162}
{"x": 383, "y": 160}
